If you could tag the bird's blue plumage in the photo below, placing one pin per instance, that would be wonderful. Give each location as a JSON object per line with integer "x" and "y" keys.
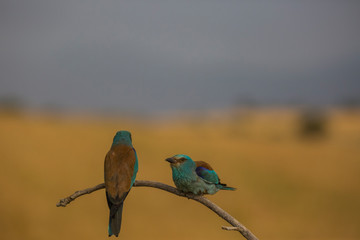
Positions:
{"x": 122, "y": 137}
{"x": 195, "y": 177}
{"x": 207, "y": 175}
{"x": 136, "y": 168}
{"x": 120, "y": 169}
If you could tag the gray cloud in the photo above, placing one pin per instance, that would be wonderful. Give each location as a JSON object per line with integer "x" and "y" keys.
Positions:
{"x": 168, "y": 55}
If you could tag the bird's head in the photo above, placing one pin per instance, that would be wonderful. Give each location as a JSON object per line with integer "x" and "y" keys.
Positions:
{"x": 181, "y": 161}
{"x": 122, "y": 137}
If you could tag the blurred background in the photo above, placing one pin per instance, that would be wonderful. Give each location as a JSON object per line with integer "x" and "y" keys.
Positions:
{"x": 267, "y": 92}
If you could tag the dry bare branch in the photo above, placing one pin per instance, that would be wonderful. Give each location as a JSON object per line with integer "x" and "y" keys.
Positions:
{"x": 237, "y": 226}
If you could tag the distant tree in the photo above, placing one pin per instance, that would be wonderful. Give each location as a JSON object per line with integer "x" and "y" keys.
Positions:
{"x": 313, "y": 123}
{"x": 11, "y": 105}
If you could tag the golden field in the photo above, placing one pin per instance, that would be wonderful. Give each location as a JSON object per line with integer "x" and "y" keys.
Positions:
{"x": 288, "y": 187}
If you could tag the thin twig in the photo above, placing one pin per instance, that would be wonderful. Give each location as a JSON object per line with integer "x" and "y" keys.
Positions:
{"x": 237, "y": 226}
{"x": 65, "y": 201}
{"x": 230, "y": 228}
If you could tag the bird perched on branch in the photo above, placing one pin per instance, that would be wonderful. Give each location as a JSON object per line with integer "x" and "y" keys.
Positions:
{"x": 196, "y": 177}
{"x": 121, "y": 166}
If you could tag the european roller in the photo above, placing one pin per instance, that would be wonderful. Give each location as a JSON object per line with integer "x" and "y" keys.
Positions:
{"x": 196, "y": 177}
{"x": 121, "y": 166}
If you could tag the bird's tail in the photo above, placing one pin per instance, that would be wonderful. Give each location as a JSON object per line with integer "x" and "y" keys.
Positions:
{"x": 224, "y": 187}
{"x": 115, "y": 219}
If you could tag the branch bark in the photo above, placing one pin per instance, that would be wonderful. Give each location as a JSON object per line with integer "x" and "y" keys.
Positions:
{"x": 237, "y": 226}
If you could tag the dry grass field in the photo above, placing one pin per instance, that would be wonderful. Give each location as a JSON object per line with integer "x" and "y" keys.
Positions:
{"x": 289, "y": 187}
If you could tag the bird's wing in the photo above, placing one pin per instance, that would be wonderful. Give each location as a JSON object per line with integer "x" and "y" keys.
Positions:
{"x": 119, "y": 168}
{"x": 205, "y": 171}
{"x": 136, "y": 168}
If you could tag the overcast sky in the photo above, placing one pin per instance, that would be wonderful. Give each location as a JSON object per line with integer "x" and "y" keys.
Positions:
{"x": 152, "y": 55}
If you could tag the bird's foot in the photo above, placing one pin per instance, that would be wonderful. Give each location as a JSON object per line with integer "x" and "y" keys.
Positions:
{"x": 190, "y": 195}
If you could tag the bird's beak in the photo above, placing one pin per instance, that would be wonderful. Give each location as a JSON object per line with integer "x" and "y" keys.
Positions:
{"x": 170, "y": 160}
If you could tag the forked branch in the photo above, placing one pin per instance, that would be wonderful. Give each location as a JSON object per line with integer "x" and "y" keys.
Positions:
{"x": 237, "y": 226}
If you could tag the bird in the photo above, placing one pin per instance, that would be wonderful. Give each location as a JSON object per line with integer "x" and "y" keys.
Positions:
{"x": 196, "y": 177}
{"x": 120, "y": 169}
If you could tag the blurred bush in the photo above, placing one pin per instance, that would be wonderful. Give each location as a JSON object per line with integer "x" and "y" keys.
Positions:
{"x": 11, "y": 105}
{"x": 313, "y": 123}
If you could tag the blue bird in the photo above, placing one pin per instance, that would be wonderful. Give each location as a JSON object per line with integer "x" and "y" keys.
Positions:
{"x": 120, "y": 168}
{"x": 195, "y": 177}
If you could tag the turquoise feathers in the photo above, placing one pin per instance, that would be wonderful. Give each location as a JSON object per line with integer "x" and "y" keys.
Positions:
{"x": 120, "y": 169}
{"x": 122, "y": 137}
{"x": 196, "y": 177}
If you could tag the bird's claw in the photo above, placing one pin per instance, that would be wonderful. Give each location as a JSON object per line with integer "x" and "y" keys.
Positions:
{"x": 189, "y": 195}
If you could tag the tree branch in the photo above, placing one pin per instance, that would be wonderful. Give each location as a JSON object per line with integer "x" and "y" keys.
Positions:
{"x": 237, "y": 226}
